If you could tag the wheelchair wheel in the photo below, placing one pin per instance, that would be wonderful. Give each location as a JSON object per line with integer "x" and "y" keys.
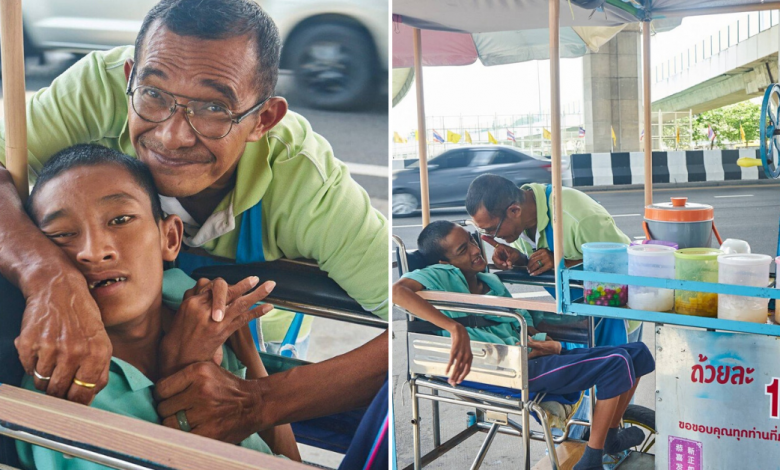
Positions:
{"x": 641, "y": 417}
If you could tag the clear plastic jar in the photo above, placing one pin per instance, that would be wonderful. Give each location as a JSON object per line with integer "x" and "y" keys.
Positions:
{"x": 605, "y": 258}
{"x": 651, "y": 261}
{"x": 744, "y": 270}
{"x": 696, "y": 264}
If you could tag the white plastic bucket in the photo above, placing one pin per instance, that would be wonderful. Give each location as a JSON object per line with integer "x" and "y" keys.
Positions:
{"x": 744, "y": 270}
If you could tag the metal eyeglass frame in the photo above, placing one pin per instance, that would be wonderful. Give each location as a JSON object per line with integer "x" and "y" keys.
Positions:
{"x": 234, "y": 118}
{"x": 498, "y": 227}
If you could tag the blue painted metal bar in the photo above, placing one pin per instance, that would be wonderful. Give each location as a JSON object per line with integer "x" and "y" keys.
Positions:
{"x": 675, "y": 319}
{"x": 566, "y": 306}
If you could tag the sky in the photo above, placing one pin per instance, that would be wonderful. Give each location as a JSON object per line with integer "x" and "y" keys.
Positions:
{"x": 524, "y": 87}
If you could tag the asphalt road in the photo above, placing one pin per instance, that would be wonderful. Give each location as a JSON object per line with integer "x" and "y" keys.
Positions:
{"x": 746, "y": 212}
{"x": 359, "y": 138}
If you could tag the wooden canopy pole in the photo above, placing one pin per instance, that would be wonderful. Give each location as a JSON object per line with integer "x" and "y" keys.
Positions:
{"x": 422, "y": 142}
{"x": 647, "y": 105}
{"x": 555, "y": 112}
{"x": 14, "y": 106}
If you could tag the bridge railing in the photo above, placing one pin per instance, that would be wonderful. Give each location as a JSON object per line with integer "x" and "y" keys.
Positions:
{"x": 747, "y": 26}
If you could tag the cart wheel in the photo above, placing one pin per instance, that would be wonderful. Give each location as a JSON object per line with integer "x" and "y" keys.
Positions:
{"x": 641, "y": 417}
{"x": 770, "y": 131}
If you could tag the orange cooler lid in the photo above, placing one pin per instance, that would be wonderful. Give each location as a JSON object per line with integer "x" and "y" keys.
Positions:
{"x": 679, "y": 210}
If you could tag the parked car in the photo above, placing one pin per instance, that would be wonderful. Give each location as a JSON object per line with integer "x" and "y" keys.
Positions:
{"x": 450, "y": 174}
{"x": 337, "y": 49}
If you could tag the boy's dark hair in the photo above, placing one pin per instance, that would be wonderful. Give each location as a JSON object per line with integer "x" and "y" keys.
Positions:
{"x": 494, "y": 192}
{"x": 93, "y": 155}
{"x": 429, "y": 242}
{"x": 221, "y": 19}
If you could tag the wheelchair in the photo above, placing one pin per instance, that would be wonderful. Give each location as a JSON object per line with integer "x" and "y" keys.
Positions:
{"x": 498, "y": 371}
{"x": 301, "y": 287}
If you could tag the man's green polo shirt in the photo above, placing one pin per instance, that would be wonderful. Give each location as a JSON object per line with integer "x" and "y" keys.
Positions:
{"x": 311, "y": 207}
{"x": 584, "y": 221}
{"x": 128, "y": 393}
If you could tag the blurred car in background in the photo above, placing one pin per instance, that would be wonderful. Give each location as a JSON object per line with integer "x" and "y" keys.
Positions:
{"x": 337, "y": 49}
{"x": 451, "y": 173}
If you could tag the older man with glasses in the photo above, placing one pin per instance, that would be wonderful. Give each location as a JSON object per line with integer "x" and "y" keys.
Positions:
{"x": 251, "y": 181}
{"x": 522, "y": 218}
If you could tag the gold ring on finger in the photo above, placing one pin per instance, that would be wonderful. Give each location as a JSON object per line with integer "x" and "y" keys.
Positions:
{"x": 83, "y": 384}
{"x": 39, "y": 376}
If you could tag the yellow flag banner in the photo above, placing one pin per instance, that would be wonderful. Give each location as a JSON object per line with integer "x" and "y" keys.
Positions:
{"x": 614, "y": 137}
{"x": 467, "y": 137}
{"x": 398, "y": 139}
{"x": 416, "y": 137}
{"x": 742, "y": 134}
{"x": 453, "y": 137}
{"x": 546, "y": 134}
{"x": 678, "y": 135}
{"x": 492, "y": 139}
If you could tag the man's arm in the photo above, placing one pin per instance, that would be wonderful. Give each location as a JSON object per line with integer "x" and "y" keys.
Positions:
{"x": 405, "y": 295}
{"x": 62, "y": 334}
{"x": 62, "y": 331}
{"x": 230, "y": 409}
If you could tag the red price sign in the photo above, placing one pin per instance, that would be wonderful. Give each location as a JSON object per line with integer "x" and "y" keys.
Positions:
{"x": 773, "y": 390}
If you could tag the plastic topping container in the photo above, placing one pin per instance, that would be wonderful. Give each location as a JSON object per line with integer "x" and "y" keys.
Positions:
{"x": 605, "y": 258}
{"x": 651, "y": 261}
{"x": 745, "y": 270}
{"x": 687, "y": 224}
{"x": 696, "y": 264}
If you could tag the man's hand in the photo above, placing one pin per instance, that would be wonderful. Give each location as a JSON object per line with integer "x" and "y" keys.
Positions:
{"x": 547, "y": 347}
{"x": 194, "y": 336}
{"x": 540, "y": 262}
{"x": 460, "y": 355}
{"x": 217, "y": 404}
{"x": 63, "y": 337}
{"x": 504, "y": 256}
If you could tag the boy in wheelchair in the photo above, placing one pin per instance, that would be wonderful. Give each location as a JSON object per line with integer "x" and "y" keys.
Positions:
{"x": 117, "y": 236}
{"x": 456, "y": 265}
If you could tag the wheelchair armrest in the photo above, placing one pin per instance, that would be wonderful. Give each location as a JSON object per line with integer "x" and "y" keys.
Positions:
{"x": 573, "y": 329}
{"x": 299, "y": 287}
{"x": 521, "y": 276}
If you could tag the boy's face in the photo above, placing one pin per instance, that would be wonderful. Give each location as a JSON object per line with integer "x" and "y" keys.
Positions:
{"x": 463, "y": 252}
{"x": 102, "y": 219}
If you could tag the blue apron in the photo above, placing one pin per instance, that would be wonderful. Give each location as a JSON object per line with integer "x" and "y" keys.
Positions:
{"x": 608, "y": 331}
{"x": 249, "y": 250}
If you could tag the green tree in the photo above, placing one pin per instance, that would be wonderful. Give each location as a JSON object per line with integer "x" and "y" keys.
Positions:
{"x": 725, "y": 122}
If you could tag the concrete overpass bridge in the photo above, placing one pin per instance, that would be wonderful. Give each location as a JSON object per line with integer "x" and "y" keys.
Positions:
{"x": 733, "y": 65}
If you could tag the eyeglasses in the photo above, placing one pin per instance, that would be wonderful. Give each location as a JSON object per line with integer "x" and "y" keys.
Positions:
{"x": 494, "y": 233}
{"x": 209, "y": 119}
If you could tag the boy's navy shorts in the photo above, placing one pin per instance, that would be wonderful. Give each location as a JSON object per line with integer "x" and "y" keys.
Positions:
{"x": 612, "y": 369}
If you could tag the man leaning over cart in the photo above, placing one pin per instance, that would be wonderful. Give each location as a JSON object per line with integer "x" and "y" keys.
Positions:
{"x": 522, "y": 217}
{"x": 193, "y": 100}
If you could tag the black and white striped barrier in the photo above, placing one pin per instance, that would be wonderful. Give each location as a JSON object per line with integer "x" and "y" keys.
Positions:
{"x": 684, "y": 166}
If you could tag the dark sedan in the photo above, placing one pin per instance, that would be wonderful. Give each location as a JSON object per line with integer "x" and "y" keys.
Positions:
{"x": 450, "y": 174}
